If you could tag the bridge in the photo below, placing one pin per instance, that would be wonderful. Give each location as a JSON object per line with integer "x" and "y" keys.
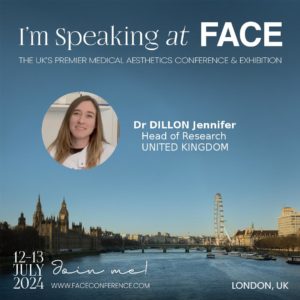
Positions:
{"x": 185, "y": 247}
{"x": 164, "y": 247}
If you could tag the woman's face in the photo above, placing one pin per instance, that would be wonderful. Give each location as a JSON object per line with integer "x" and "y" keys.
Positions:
{"x": 83, "y": 121}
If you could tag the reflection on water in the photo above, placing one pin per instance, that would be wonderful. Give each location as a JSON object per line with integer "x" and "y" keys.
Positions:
{"x": 171, "y": 275}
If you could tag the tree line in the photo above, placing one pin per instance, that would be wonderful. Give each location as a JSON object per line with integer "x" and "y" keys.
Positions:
{"x": 291, "y": 242}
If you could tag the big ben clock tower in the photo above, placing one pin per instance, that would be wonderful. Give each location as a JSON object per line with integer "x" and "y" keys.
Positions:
{"x": 64, "y": 217}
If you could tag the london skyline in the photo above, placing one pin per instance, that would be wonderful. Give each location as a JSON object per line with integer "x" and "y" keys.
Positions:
{"x": 153, "y": 191}
{"x": 88, "y": 225}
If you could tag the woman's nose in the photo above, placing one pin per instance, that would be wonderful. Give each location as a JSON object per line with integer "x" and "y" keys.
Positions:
{"x": 81, "y": 119}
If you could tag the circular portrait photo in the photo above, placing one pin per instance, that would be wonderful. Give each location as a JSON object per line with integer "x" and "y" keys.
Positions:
{"x": 80, "y": 130}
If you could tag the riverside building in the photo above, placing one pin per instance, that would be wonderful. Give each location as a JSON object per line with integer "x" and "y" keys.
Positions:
{"x": 288, "y": 222}
{"x": 58, "y": 236}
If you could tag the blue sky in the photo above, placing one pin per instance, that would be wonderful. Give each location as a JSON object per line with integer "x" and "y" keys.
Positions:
{"x": 148, "y": 192}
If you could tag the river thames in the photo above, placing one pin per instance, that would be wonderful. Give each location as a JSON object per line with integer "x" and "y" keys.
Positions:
{"x": 158, "y": 275}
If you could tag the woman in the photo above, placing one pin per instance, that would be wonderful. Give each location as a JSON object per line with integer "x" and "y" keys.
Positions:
{"x": 80, "y": 143}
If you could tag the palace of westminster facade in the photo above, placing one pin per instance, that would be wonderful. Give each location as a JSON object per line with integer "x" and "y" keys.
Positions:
{"x": 57, "y": 234}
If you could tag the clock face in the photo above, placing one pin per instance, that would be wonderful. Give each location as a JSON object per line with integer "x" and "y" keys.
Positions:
{"x": 63, "y": 217}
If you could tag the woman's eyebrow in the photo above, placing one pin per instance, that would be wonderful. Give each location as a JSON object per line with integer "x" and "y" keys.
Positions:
{"x": 89, "y": 111}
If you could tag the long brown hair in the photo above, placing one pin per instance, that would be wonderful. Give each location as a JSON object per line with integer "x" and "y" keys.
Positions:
{"x": 63, "y": 141}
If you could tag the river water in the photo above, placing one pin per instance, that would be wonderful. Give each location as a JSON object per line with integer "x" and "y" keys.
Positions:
{"x": 171, "y": 275}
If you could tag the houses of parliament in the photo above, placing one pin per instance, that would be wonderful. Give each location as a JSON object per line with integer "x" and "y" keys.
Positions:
{"x": 56, "y": 232}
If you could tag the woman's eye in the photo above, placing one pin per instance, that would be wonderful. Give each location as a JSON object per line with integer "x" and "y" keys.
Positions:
{"x": 90, "y": 116}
